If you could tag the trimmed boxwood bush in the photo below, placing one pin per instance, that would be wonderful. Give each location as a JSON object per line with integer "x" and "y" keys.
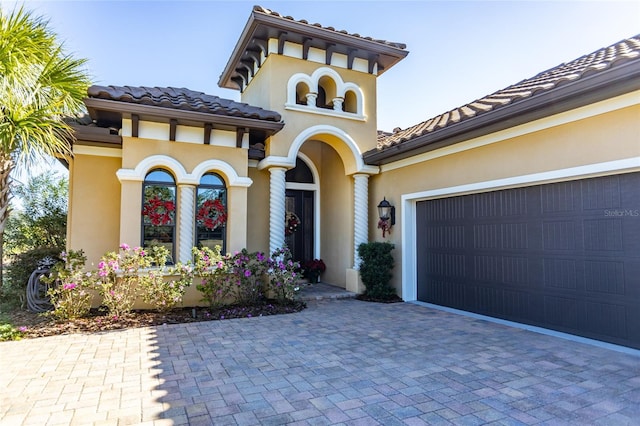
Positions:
{"x": 375, "y": 270}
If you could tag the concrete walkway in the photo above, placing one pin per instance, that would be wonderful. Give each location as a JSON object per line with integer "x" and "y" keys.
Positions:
{"x": 338, "y": 362}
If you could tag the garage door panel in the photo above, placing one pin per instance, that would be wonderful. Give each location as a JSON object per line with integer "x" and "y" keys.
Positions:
{"x": 606, "y": 319}
{"x": 564, "y": 256}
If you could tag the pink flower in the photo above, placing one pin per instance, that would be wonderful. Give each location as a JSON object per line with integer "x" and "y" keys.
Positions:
{"x": 247, "y": 273}
{"x": 124, "y": 246}
{"x": 101, "y": 265}
{"x": 69, "y": 286}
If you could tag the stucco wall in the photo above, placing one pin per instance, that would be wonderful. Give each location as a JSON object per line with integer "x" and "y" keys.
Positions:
{"x": 258, "y": 208}
{"x": 268, "y": 90}
{"x": 336, "y": 195}
{"x": 94, "y": 205}
{"x": 605, "y": 137}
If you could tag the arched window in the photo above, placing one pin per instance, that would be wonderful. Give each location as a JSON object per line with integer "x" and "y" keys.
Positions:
{"x": 326, "y": 92}
{"x": 301, "y": 173}
{"x": 301, "y": 93}
{"x": 211, "y": 212}
{"x": 350, "y": 102}
{"x": 159, "y": 210}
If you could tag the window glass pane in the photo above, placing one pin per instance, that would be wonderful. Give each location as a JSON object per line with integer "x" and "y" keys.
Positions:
{"x": 211, "y": 212}
{"x": 159, "y": 210}
{"x": 211, "y": 179}
{"x": 301, "y": 173}
{"x": 159, "y": 176}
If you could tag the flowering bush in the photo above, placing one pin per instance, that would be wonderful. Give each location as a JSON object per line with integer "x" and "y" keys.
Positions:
{"x": 70, "y": 296}
{"x": 313, "y": 269}
{"x": 163, "y": 294}
{"x": 158, "y": 211}
{"x": 315, "y": 265}
{"x": 247, "y": 270}
{"x": 283, "y": 277}
{"x": 118, "y": 275}
{"x": 213, "y": 270}
{"x": 211, "y": 214}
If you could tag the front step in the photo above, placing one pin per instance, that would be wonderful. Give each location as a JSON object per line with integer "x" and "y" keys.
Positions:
{"x": 322, "y": 291}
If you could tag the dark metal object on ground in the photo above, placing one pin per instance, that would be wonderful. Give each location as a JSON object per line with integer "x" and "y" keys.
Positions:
{"x": 37, "y": 297}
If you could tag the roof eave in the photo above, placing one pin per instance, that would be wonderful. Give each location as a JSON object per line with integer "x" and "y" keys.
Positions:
{"x": 597, "y": 87}
{"x": 256, "y": 19}
{"x": 160, "y": 114}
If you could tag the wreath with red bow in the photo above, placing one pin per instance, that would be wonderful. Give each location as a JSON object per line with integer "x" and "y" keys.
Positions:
{"x": 212, "y": 214}
{"x": 158, "y": 211}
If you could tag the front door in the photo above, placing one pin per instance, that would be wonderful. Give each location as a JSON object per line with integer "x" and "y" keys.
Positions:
{"x": 299, "y": 226}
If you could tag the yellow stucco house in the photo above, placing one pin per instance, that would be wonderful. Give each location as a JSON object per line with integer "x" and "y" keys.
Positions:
{"x": 522, "y": 205}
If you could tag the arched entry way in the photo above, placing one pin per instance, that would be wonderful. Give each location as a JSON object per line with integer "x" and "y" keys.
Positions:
{"x": 343, "y": 177}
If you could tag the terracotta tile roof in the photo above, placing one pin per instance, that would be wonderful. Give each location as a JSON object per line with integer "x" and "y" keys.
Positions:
{"x": 585, "y": 66}
{"x": 181, "y": 99}
{"x": 269, "y": 12}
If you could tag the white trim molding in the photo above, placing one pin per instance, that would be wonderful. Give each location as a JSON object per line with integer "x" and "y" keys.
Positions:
{"x": 97, "y": 151}
{"x": 182, "y": 177}
{"x": 290, "y": 160}
{"x": 409, "y": 201}
{"x": 313, "y": 81}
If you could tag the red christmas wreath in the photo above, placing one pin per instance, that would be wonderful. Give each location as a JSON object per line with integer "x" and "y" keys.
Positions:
{"x": 158, "y": 211}
{"x": 212, "y": 214}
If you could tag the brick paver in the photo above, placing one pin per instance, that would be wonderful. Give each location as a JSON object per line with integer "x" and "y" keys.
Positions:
{"x": 338, "y": 362}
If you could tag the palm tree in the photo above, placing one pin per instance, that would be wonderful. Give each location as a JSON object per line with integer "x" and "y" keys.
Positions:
{"x": 40, "y": 85}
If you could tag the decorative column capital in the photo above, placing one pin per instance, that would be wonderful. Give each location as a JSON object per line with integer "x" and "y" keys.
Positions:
{"x": 337, "y": 103}
{"x": 311, "y": 98}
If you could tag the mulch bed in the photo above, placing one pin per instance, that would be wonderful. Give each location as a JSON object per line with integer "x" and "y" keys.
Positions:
{"x": 41, "y": 325}
{"x": 392, "y": 299}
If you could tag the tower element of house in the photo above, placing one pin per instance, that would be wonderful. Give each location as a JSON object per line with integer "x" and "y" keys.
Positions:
{"x": 323, "y": 83}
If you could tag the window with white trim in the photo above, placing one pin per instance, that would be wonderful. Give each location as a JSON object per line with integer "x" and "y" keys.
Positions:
{"x": 211, "y": 212}
{"x": 159, "y": 210}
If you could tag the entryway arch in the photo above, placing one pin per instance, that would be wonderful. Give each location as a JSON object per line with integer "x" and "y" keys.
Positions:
{"x": 346, "y": 221}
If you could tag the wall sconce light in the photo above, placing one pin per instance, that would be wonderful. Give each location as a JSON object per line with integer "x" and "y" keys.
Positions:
{"x": 387, "y": 214}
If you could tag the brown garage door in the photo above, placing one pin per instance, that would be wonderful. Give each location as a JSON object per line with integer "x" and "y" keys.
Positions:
{"x": 564, "y": 256}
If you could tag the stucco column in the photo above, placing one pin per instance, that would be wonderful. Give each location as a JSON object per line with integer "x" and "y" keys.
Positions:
{"x": 360, "y": 214}
{"x": 276, "y": 208}
{"x": 187, "y": 206}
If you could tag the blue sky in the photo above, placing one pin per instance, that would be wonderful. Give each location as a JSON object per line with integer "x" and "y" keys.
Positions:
{"x": 459, "y": 50}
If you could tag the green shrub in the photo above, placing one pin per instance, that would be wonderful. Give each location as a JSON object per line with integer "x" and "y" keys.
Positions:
{"x": 9, "y": 332}
{"x": 375, "y": 269}
{"x": 212, "y": 269}
{"x": 248, "y": 270}
{"x": 162, "y": 294}
{"x": 13, "y": 291}
{"x": 71, "y": 293}
{"x": 283, "y": 277}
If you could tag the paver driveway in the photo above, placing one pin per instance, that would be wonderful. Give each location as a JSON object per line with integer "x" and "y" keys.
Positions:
{"x": 338, "y": 362}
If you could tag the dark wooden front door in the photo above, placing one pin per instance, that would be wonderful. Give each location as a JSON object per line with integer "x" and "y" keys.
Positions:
{"x": 301, "y": 241}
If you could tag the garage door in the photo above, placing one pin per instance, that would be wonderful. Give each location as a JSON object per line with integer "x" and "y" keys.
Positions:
{"x": 564, "y": 256}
